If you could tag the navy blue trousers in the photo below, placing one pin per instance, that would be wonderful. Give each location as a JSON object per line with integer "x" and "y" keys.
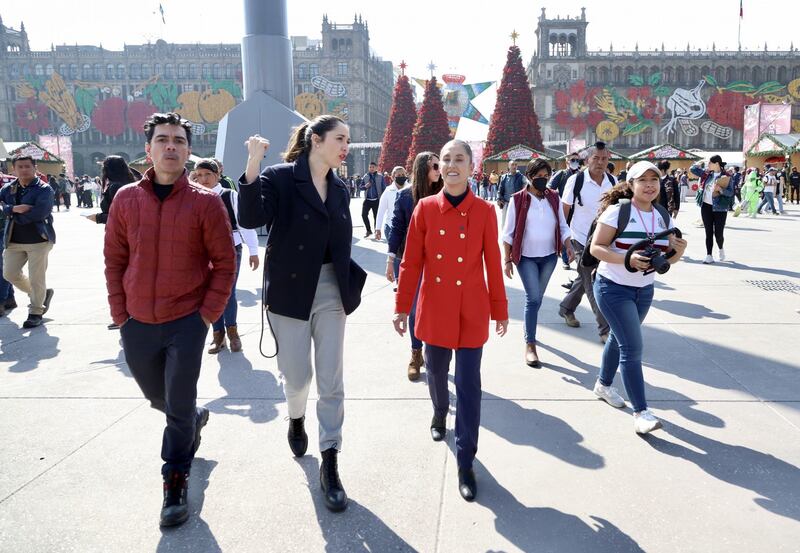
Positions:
{"x": 164, "y": 359}
{"x": 468, "y": 395}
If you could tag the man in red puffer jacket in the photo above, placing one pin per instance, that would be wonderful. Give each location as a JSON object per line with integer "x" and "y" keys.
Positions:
{"x": 170, "y": 265}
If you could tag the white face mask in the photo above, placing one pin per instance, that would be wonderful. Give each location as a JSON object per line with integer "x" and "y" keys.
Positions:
{"x": 574, "y": 165}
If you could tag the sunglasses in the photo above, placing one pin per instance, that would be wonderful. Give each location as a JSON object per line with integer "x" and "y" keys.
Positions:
{"x": 435, "y": 166}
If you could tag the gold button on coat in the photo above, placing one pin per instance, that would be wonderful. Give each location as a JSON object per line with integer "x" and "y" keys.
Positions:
{"x": 458, "y": 283}
{"x": 441, "y": 232}
{"x": 463, "y": 235}
{"x": 438, "y": 279}
{"x": 460, "y": 259}
{"x": 438, "y": 256}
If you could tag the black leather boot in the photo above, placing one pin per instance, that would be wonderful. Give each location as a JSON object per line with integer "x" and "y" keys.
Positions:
{"x": 467, "y": 486}
{"x": 298, "y": 439}
{"x": 201, "y": 419}
{"x": 438, "y": 428}
{"x": 333, "y": 492}
{"x": 175, "y": 509}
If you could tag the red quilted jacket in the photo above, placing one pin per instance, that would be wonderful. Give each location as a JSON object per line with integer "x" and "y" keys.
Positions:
{"x": 165, "y": 260}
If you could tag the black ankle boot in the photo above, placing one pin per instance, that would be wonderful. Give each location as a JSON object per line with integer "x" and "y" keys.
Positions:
{"x": 175, "y": 509}
{"x": 334, "y": 494}
{"x": 201, "y": 419}
{"x": 298, "y": 439}
{"x": 438, "y": 428}
{"x": 467, "y": 486}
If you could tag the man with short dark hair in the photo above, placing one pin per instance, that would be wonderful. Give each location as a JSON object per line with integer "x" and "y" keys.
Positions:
{"x": 224, "y": 180}
{"x": 557, "y": 182}
{"x": 170, "y": 264}
{"x": 581, "y": 200}
{"x": 794, "y": 186}
{"x": 510, "y": 183}
{"x": 27, "y": 204}
{"x": 372, "y": 185}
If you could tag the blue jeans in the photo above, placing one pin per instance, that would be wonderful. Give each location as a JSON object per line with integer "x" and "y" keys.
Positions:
{"x": 535, "y": 273}
{"x": 624, "y": 307}
{"x": 769, "y": 198}
{"x": 228, "y": 317}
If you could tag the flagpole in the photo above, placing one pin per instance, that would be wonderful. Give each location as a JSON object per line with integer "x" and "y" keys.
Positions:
{"x": 741, "y": 15}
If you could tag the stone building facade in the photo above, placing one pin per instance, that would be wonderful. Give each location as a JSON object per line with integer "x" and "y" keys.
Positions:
{"x": 100, "y": 97}
{"x": 637, "y": 99}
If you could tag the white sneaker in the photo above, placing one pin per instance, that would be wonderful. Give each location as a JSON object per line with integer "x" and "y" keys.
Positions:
{"x": 645, "y": 422}
{"x": 709, "y": 259}
{"x": 722, "y": 255}
{"x": 609, "y": 395}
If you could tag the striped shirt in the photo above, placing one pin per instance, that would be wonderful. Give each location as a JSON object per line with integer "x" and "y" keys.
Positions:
{"x": 635, "y": 231}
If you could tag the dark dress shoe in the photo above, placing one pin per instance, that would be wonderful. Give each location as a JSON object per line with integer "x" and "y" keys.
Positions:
{"x": 48, "y": 297}
{"x": 467, "y": 486}
{"x": 113, "y": 326}
{"x": 298, "y": 439}
{"x": 33, "y": 321}
{"x": 175, "y": 509}
{"x": 531, "y": 358}
{"x": 333, "y": 492}
{"x": 438, "y": 428}
{"x": 11, "y": 303}
{"x": 201, "y": 419}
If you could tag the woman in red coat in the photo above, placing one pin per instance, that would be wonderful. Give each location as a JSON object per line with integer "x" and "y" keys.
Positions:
{"x": 452, "y": 238}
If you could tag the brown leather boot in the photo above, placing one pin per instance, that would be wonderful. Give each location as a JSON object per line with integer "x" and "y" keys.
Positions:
{"x": 414, "y": 365}
{"x": 233, "y": 337}
{"x": 218, "y": 342}
{"x": 531, "y": 358}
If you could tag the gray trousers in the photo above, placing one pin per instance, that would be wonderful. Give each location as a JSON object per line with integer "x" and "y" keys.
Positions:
{"x": 583, "y": 285}
{"x": 325, "y": 328}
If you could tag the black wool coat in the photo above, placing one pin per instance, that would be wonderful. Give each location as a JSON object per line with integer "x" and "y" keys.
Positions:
{"x": 301, "y": 227}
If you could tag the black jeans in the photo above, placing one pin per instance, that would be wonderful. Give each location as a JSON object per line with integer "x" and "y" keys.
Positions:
{"x": 794, "y": 193}
{"x": 369, "y": 205}
{"x": 714, "y": 223}
{"x": 165, "y": 362}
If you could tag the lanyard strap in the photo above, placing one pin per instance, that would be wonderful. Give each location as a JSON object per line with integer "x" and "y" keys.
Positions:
{"x": 652, "y": 232}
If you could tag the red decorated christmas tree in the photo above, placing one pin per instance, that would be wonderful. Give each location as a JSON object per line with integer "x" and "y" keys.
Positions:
{"x": 431, "y": 131}
{"x": 514, "y": 121}
{"x": 397, "y": 139}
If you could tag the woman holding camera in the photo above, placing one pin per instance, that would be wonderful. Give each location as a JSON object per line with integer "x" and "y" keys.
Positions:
{"x": 535, "y": 232}
{"x": 625, "y": 297}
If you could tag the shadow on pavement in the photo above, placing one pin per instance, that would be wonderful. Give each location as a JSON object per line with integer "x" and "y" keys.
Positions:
{"x": 690, "y": 310}
{"x": 587, "y": 375}
{"x": 356, "y": 529}
{"x": 775, "y": 480}
{"x": 530, "y": 427}
{"x": 194, "y": 534}
{"x": 743, "y": 267}
{"x": 544, "y": 528}
{"x": 249, "y": 393}
{"x": 22, "y": 353}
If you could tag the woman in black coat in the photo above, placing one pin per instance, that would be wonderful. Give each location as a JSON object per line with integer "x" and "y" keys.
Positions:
{"x": 114, "y": 175}
{"x": 311, "y": 282}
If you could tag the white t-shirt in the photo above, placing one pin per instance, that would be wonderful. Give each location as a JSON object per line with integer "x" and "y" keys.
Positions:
{"x": 539, "y": 226}
{"x": 634, "y": 231}
{"x": 584, "y": 215}
{"x": 386, "y": 206}
{"x": 708, "y": 193}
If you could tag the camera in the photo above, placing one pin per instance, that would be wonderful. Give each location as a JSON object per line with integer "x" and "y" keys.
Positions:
{"x": 658, "y": 261}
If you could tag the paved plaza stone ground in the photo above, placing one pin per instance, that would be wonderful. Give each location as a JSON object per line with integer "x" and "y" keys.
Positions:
{"x": 558, "y": 470}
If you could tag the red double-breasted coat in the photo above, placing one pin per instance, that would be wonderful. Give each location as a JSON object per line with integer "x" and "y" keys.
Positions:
{"x": 453, "y": 248}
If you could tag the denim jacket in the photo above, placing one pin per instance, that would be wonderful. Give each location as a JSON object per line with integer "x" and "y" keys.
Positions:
{"x": 37, "y": 194}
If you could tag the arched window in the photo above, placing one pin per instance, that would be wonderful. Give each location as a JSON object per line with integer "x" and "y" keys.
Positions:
{"x": 182, "y": 71}
{"x": 63, "y": 70}
{"x": 668, "y": 75}
{"x": 731, "y": 74}
{"x": 73, "y": 70}
{"x": 603, "y": 76}
{"x": 618, "y": 75}
{"x": 38, "y": 70}
{"x": 230, "y": 71}
{"x": 146, "y": 71}
{"x": 694, "y": 75}
{"x": 48, "y": 70}
{"x": 217, "y": 71}
{"x": 120, "y": 71}
{"x": 782, "y": 74}
{"x": 744, "y": 74}
{"x": 313, "y": 70}
{"x": 757, "y": 75}
{"x": 192, "y": 70}
{"x": 169, "y": 71}
{"x": 135, "y": 71}
{"x": 206, "y": 71}
{"x": 719, "y": 75}
{"x": 628, "y": 74}
{"x": 26, "y": 70}
{"x": 110, "y": 71}
{"x": 771, "y": 73}
{"x": 591, "y": 75}
{"x": 301, "y": 71}
{"x": 157, "y": 69}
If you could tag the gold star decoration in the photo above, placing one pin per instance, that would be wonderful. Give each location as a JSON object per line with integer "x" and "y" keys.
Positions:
{"x": 514, "y": 36}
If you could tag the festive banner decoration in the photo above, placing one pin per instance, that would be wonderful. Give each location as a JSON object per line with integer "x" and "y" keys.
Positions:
{"x": 476, "y": 89}
{"x": 473, "y": 114}
{"x": 329, "y": 87}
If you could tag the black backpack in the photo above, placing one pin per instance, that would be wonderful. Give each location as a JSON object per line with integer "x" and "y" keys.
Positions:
{"x": 576, "y": 193}
{"x": 623, "y": 218}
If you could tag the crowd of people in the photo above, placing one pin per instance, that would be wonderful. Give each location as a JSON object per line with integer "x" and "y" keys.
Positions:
{"x": 447, "y": 255}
